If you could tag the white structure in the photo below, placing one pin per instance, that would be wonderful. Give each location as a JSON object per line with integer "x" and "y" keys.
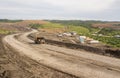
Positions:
{"x": 82, "y": 39}
{"x": 117, "y": 36}
{"x": 94, "y": 42}
{"x": 67, "y": 34}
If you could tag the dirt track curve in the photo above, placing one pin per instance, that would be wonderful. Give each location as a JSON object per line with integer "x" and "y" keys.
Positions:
{"x": 79, "y": 63}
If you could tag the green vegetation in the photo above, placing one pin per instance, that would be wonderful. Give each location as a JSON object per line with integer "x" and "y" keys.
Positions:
{"x": 79, "y": 24}
{"x": 84, "y": 28}
{"x": 47, "y": 25}
{"x": 86, "y": 24}
{"x": 4, "y": 31}
{"x": 109, "y": 37}
{"x": 116, "y": 24}
{"x": 93, "y": 30}
{"x": 115, "y": 42}
{"x": 52, "y": 25}
{"x": 35, "y": 26}
{"x": 78, "y": 29}
{"x": 9, "y": 21}
{"x": 109, "y": 32}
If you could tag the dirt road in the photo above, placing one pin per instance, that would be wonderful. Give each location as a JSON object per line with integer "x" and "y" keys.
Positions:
{"x": 79, "y": 63}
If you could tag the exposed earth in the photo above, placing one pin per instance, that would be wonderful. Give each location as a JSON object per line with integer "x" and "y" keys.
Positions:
{"x": 21, "y": 58}
{"x": 14, "y": 65}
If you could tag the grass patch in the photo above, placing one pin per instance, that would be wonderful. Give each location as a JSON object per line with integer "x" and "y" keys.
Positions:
{"x": 109, "y": 32}
{"x": 9, "y": 21}
{"x": 115, "y": 42}
{"x": 78, "y": 29}
{"x": 2, "y": 31}
{"x": 47, "y": 25}
{"x": 52, "y": 25}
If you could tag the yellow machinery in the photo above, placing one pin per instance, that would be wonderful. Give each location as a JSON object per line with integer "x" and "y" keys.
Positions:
{"x": 39, "y": 40}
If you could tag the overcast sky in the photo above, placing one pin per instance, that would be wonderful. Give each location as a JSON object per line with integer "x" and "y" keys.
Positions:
{"x": 60, "y": 9}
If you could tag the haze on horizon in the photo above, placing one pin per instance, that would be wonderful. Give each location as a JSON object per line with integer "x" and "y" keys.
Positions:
{"x": 61, "y": 9}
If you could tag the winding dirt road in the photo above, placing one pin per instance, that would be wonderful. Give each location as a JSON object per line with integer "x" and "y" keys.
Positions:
{"x": 79, "y": 63}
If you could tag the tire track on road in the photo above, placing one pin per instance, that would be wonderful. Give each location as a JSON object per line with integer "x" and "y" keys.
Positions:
{"x": 75, "y": 68}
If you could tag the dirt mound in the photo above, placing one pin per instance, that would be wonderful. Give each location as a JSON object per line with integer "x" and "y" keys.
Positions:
{"x": 19, "y": 26}
{"x": 13, "y": 27}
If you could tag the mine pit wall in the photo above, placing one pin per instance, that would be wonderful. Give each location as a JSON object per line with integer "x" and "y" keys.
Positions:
{"x": 102, "y": 51}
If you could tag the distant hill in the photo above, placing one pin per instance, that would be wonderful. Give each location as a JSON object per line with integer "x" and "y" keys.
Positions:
{"x": 76, "y": 22}
{"x": 89, "y": 23}
{"x": 115, "y": 26}
{"x": 10, "y": 21}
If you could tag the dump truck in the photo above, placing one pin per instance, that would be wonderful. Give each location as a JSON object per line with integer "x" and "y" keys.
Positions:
{"x": 39, "y": 40}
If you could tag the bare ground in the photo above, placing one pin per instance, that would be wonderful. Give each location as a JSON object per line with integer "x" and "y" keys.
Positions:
{"x": 78, "y": 63}
{"x": 47, "y": 61}
{"x": 13, "y": 65}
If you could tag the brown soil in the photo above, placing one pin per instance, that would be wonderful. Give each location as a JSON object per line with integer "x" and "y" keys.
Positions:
{"x": 78, "y": 63}
{"x": 14, "y": 65}
{"x": 19, "y": 26}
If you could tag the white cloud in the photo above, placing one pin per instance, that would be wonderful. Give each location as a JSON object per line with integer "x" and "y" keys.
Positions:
{"x": 82, "y": 5}
{"x": 70, "y": 5}
{"x": 60, "y": 9}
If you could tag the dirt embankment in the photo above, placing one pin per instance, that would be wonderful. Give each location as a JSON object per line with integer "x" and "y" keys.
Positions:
{"x": 19, "y": 26}
{"x": 13, "y": 27}
{"x": 54, "y": 40}
{"x": 102, "y": 51}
